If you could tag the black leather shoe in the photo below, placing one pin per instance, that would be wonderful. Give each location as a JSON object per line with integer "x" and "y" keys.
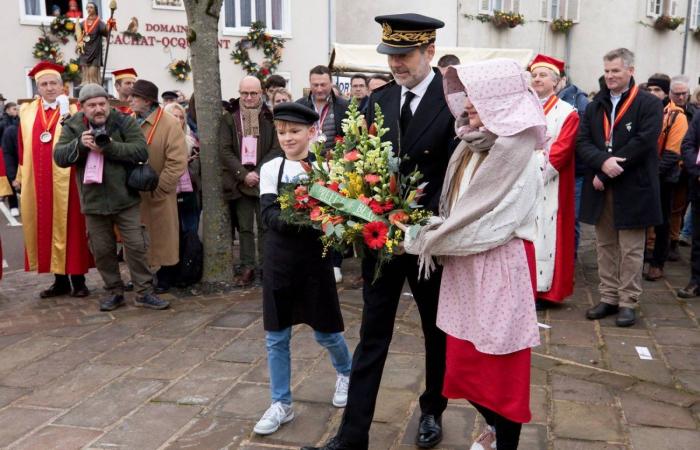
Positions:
{"x": 111, "y": 303}
{"x": 601, "y": 310}
{"x": 80, "y": 291}
{"x": 429, "y": 431}
{"x": 56, "y": 290}
{"x": 151, "y": 301}
{"x": 626, "y": 317}
{"x": 335, "y": 443}
{"x": 692, "y": 290}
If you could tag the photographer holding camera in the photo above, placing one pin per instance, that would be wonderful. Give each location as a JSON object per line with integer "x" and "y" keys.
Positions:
{"x": 102, "y": 133}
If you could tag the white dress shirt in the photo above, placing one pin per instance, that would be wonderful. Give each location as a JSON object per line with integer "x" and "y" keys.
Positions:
{"x": 419, "y": 90}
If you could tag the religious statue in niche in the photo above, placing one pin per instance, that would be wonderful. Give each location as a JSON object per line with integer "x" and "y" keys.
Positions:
{"x": 90, "y": 33}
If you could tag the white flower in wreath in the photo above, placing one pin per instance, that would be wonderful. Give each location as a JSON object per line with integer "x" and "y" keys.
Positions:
{"x": 321, "y": 138}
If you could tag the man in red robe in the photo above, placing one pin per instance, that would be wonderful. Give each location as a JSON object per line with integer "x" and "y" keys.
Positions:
{"x": 555, "y": 244}
{"x": 124, "y": 80}
{"x": 55, "y": 236}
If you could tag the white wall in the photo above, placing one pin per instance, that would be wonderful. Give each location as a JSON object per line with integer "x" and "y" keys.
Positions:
{"x": 306, "y": 46}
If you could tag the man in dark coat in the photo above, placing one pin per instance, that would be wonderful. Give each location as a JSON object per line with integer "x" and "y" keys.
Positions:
{"x": 421, "y": 129}
{"x": 248, "y": 139}
{"x": 617, "y": 143}
{"x": 689, "y": 150}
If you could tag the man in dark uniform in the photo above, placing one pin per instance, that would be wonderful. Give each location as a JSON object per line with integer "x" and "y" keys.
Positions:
{"x": 422, "y": 133}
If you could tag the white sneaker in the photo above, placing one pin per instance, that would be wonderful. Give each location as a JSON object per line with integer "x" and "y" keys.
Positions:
{"x": 338, "y": 275}
{"x": 340, "y": 397}
{"x": 14, "y": 212}
{"x": 276, "y": 415}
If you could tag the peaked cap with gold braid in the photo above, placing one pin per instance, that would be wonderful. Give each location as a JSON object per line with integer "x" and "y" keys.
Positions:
{"x": 401, "y": 33}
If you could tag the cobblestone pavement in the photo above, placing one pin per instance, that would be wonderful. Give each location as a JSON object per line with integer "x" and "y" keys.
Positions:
{"x": 195, "y": 376}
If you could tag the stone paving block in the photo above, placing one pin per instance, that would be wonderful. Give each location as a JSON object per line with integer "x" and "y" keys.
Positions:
{"x": 392, "y": 403}
{"x": 210, "y": 338}
{"x": 683, "y": 358}
{"x": 644, "y": 411}
{"x": 28, "y": 350}
{"x": 111, "y": 403}
{"x": 660, "y": 297}
{"x": 407, "y": 343}
{"x": 533, "y": 437}
{"x": 583, "y": 355}
{"x": 677, "y": 336}
{"x": 648, "y": 370}
{"x": 457, "y": 425}
{"x": 104, "y": 339}
{"x": 674, "y": 322}
{"x": 235, "y": 319}
{"x": 179, "y": 324}
{"x": 383, "y": 436}
{"x": 539, "y": 405}
{"x": 12, "y": 339}
{"x": 404, "y": 372}
{"x": 213, "y": 433}
{"x": 260, "y": 373}
{"x": 567, "y": 311}
{"x": 74, "y": 386}
{"x": 689, "y": 379}
{"x": 666, "y": 394}
{"x": 243, "y": 304}
{"x": 255, "y": 332}
{"x": 309, "y": 425}
{"x": 46, "y": 369}
{"x": 10, "y": 394}
{"x": 572, "y": 333}
{"x": 16, "y": 422}
{"x": 538, "y": 377}
{"x": 586, "y": 422}
{"x": 318, "y": 385}
{"x": 303, "y": 345}
{"x": 149, "y": 427}
{"x": 135, "y": 351}
{"x": 172, "y": 363}
{"x": 246, "y": 401}
{"x": 569, "y": 444}
{"x": 74, "y": 332}
{"x": 59, "y": 438}
{"x": 647, "y": 438}
{"x": 625, "y": 346}
{"x": 204, "y": 383}
{"x": 625, "y": 331}
{"x": 243, "y": 350}
{"x": 572, "y": 389}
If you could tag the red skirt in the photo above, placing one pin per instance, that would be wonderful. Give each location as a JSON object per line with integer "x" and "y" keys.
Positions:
{"x": 500, "y": 383}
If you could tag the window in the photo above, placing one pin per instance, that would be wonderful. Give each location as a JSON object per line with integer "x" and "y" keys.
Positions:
{"x": 489, "y": 6}
{"x": 560, "y": 9}
{"x": 695, "y": 14}
{"x": 240, "y": 14}
{"x": 656, "y": 8}
{"x": 38, "y": 12}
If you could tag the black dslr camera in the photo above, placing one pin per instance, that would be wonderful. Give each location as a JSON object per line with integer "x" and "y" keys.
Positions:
{"x": 101, "y": 137}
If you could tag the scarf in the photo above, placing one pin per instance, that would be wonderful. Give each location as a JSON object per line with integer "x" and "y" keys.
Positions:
{"x": 250, "y": 118}
{"x": 504, "y": 180}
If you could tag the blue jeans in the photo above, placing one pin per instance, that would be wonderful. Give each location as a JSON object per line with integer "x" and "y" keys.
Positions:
{"x": 687, "y": 230}
{"x": 279, "y": 360}
{"x": 577, "y": 202}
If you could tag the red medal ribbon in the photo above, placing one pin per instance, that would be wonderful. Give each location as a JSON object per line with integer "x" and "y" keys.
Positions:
{"x": 47, "y": 124}
{"x": 607, "y": 130}
{"x": 155, "y": 125}
{"x": 549, "y": 104}
{"x": 90, "y": 28}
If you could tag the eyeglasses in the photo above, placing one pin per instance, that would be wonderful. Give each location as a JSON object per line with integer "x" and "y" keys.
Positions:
{"x": 249, "y": 94}
{"x": 679, "y": 94}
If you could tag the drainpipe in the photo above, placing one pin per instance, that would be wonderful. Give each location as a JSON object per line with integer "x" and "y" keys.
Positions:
{"x": 567, "y": 52}
{"x": 685, "y": 36}
{"x": 331, "y": 26}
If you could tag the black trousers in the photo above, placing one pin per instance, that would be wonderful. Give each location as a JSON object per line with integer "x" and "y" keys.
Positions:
{"x": 663, "y": 232}
{"x": 507, "y": 431}
{"x": 695, "y": 248}
{"x": 381, "y": 300}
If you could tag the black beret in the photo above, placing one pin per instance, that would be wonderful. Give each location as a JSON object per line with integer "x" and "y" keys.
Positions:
{"x": 662, "y": 83}
{"x": 169, "y": 95}
{"x": 295, "y": 112}
{"x": 401, "y": 33}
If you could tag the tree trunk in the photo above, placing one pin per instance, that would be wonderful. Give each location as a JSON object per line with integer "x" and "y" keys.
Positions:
{"x": 203, "y": 37}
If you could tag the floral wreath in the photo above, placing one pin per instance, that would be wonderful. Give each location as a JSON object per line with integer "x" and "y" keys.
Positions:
{"x": 46, "y": 49}
{"x": 62, "y": 27}
{"x": 271, "y": 47}
{"x": 180, "y": 69}
{"x": 71, "y": 71}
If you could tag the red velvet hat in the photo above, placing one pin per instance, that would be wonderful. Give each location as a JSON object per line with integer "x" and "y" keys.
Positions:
{"x": 124, "y": 73}
{"x": 557, "y": 65}
{"x": 45, "y": 68}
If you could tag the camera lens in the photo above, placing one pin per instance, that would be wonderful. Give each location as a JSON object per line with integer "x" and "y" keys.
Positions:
{"x": 102, "y": 139}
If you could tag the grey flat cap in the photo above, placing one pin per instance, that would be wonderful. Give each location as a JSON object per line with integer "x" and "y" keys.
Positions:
{"x": 91, "y": 90}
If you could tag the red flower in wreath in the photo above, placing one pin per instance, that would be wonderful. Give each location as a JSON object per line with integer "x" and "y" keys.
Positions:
{"x": 375, "y": 234}
{"x": 376, "y": 206}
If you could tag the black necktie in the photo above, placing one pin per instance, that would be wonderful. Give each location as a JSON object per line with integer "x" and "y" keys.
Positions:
{"x": 406, "y": 113}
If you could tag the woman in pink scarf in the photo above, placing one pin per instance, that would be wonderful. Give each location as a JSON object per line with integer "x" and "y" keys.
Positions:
{"x": 483, "y": 238}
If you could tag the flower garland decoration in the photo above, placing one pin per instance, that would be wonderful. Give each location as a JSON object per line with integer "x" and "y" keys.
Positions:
{"x": 561, "y": 25}
{"x": 503, "y": 19}
{"x": 180, "y": 69}
{"x": 71, "y": 71}
{"x": 271, "y": 47}
{"x": 62, "y": 27}
{"x": 668, "y": 23}
{"x": 46, "y": 49}
{"x": 355, "y": 195}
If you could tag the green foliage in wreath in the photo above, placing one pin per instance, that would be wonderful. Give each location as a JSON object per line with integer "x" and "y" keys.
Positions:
{"x": 180, "y": 69}
{"x": 561, "y": 25}
{"x": 62, "y": 27}
{"x": 71, "y": 71}
{"x": 46, "y": 49}
{"x": 271, "y": 47}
